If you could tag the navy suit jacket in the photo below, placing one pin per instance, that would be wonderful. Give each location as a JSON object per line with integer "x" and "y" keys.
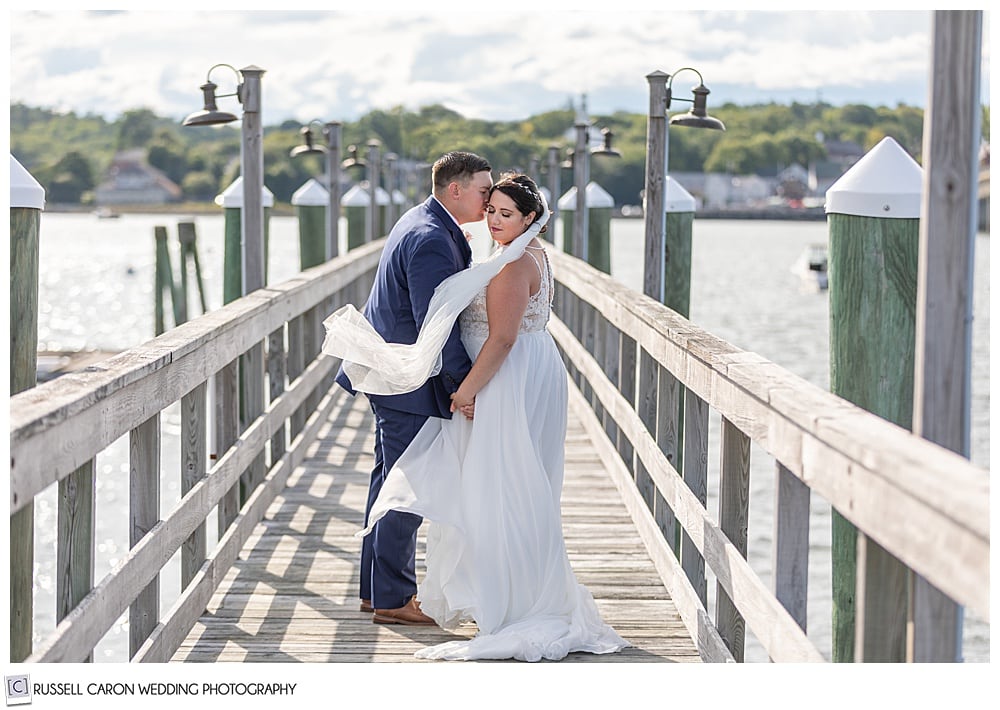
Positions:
{"x": 424, "y": 248}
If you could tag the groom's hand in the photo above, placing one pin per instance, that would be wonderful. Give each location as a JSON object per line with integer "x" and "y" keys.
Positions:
{"x": 460, "y": 403}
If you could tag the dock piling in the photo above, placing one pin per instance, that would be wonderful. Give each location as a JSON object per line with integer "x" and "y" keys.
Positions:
{"x": 27, "y": 199}
{"x": 873, "y": 212}
{"x": 311, "y": 204}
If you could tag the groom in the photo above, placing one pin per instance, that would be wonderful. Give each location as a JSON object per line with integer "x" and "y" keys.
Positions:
{"x": 426, "y": 246}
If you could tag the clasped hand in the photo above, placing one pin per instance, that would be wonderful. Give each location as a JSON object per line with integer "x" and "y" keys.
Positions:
{"x": 466, "y": 405}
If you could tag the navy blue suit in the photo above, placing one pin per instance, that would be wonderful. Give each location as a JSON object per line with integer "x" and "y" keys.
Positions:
{"x": 424, "y": 248}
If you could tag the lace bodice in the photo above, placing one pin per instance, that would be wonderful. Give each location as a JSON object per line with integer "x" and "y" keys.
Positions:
{"x": 474, "y": 322}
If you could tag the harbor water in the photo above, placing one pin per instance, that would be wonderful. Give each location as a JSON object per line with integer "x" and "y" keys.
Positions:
{"x": 96, "y": 293}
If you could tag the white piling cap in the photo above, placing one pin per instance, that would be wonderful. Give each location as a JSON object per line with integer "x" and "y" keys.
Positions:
{"x": 358, "y": 196}
{"x": 232, "y": 196}
{"x": 24, "y": 189}
{"x": 677, "y": 198}
{"x": 398, "y": 198}
{"x": 886, "y": 182}
{"x": 594, "y": 197}
{"x": 311, "y": 194}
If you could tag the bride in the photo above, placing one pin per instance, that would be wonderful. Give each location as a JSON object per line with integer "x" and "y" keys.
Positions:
{"x": 489, "y": 482}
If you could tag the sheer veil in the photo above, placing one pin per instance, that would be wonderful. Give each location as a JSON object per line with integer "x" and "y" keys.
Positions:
{"x": 377, "y": 367}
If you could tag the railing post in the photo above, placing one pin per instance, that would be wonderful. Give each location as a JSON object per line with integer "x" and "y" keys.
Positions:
{"x": 668, "y": 408}
{"x": 276, "y": 365}
{"x": 75, "y": 540}
{"x": 144, "y": 513}
{"x": 873, "y": 282}
{"x": 734, "y": 512}
{"x": 627, "y": 386}
{"x": 696, "y": 479}
{"x": 790, "y": 560}
{"x": 295, "y": 364}
{"x": 226, "y": 423}
{"x": 942, "y": 384}
{"x": 27, "y": 199}
{"x": 194, "y": 466}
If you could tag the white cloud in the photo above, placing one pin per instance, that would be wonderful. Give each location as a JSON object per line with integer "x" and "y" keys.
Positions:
{"x": 484, "y": 64}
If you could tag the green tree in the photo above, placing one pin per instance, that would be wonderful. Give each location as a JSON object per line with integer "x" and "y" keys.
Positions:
{"x": 168, "y": 153}
{"x": 200, "y": 185}
{"x": 136, "y": 129}
{"x": 72, "y": 176}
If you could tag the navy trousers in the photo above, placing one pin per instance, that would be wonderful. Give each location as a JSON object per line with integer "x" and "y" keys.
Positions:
{"x": 388, "y": 553}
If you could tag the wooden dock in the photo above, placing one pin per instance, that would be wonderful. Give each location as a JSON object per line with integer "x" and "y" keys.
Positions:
{"x": 292, "y": 594}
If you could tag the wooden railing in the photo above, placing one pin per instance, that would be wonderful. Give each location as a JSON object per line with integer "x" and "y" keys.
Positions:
{"x": 653, "y": 379}
{"x": 270, "y": 337}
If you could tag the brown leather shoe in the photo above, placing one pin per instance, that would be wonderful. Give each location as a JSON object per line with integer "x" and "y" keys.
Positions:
{"x": 366, "y": 606}
{"x": 408, "y": 615}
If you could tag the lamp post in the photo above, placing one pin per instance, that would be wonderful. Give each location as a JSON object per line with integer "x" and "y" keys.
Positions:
{"x": 245, "y": 375}
{"x": 356, "y": 229}
{"x": 554, "y": 187}
{"x": 581, "y": 176}
{"x": 248, "y": 92}
{"x": 657, "y": 153}
{"x": 372, "y": 223}
{"x": 672, "y": 252}
{"x": 332, "y": 131}
{"x": 390, "y": 187}
{"x": 580, "y": 163}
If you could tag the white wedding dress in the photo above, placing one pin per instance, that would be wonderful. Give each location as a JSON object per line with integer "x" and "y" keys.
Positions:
{"x": 491, "y": 490}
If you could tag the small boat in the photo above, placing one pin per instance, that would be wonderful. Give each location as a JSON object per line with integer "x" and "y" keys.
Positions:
{"x": 106, "y": 213}
{"x": 812, "y": 266}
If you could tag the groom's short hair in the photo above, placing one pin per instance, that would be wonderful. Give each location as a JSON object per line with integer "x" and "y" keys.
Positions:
{"x": 457, "y": 165}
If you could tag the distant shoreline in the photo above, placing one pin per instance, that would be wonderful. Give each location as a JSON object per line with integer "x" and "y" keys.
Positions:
{"x": 286, "y": 210}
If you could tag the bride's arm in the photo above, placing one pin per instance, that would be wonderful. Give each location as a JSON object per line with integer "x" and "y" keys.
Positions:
{"x": 506, "y": 301}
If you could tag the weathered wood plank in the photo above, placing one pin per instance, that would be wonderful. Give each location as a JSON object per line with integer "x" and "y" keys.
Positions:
{"x": 75, "y": 540}
{"x": 194, "y": 465}
{"x": 734, "y": 519}
{"x": 144, "y": 512}
{"x": 791, "y": 544}
{"x": 291, "y": 596}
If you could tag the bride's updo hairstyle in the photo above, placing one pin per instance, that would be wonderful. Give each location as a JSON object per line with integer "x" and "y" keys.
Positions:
{"x": 523, "y": 191}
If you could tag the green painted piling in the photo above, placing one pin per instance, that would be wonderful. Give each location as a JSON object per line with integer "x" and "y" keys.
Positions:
{"x": 27, "y": 199}
{"x": 232, "y": 270}
{"x": 679, "y": 223}
{"x": 311, "y": 202}
{"x": 164, "y": 281}
{"x": 356, "y": 204}
{"x": 188, "y": 237}
{"x": 599, "y": 205}
{"x": 873, "y": 223}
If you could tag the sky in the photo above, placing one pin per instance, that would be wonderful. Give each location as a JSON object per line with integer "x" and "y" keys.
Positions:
{"x": 496, "y": 64}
